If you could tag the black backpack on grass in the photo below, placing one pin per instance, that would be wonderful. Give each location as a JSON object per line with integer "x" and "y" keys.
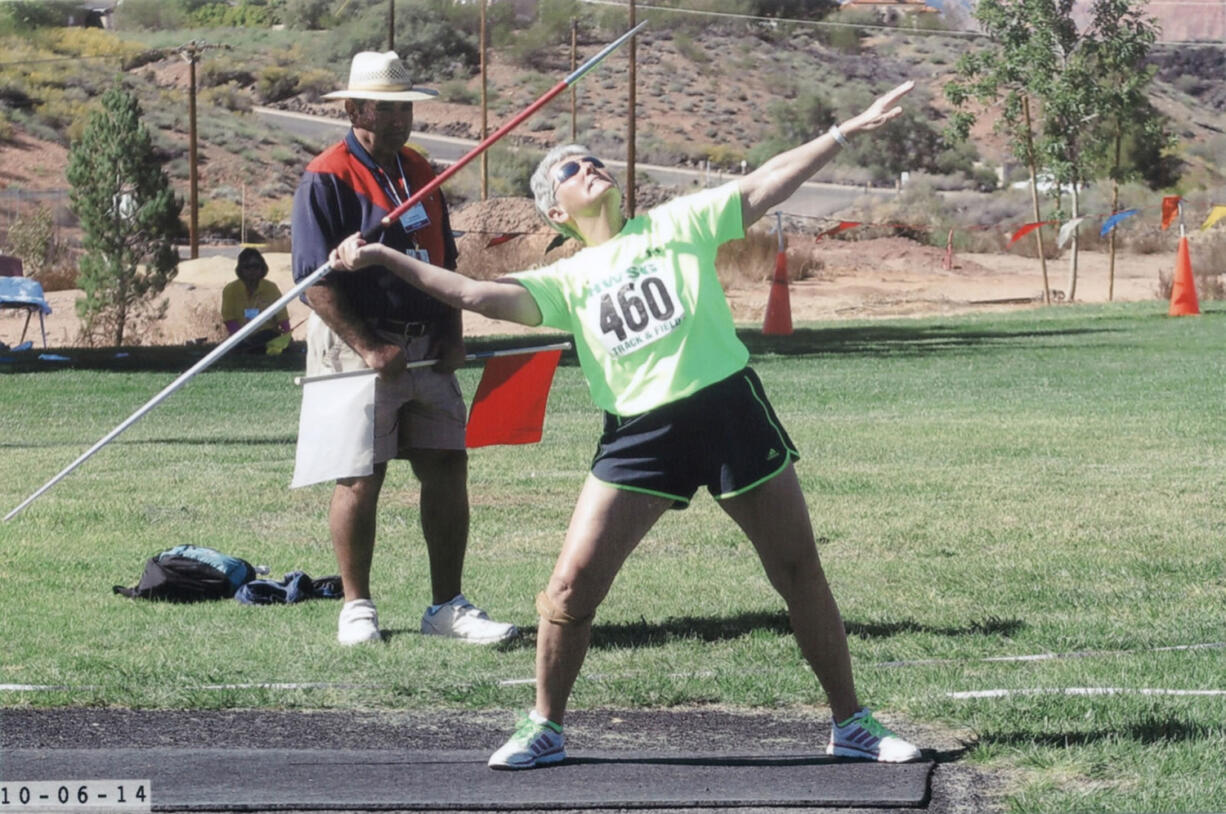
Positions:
{"x": 189, "y": 573}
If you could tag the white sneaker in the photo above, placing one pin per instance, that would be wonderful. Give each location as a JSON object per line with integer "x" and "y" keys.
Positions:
{"x": 537, "y": 742}
{"x": 359, "y": 623}
{"x": 459, "y": 619}
{"x": 862, "y": 736}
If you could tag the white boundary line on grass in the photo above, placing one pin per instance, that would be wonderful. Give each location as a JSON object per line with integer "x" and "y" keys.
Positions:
{"x": 1076, "y": 654}
{"x": 514, "y": 682}
{"x": 970, "y": 694}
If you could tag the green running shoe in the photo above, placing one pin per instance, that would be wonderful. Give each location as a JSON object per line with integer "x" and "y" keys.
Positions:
{"x": 862, "y": 736}
{"x": 537, "y": 742}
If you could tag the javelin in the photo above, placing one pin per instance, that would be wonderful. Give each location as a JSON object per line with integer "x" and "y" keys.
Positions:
{"x": 318, "y": 274}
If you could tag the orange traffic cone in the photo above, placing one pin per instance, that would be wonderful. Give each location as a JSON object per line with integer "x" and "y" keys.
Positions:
{"x": 778, "y": 320}
{"x": 1183, "y": 285}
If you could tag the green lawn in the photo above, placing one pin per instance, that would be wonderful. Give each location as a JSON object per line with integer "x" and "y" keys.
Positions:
{"x": 1047, "y": 482}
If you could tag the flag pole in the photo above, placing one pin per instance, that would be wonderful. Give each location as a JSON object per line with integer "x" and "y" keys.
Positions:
{"x": 472, "y": 357}
{"x": 319, "y": 273}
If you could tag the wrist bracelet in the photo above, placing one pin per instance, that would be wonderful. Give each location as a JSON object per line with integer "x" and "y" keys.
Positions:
{"x": 838, "y": 135}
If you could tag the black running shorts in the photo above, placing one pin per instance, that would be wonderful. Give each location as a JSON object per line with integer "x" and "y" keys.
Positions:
{"x": 725, "y": 437}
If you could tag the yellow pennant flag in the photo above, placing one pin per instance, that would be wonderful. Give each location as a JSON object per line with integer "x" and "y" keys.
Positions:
{"x": 1215, "y": 214}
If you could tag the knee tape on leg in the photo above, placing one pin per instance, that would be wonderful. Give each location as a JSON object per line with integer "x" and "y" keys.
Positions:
{"x": 552, "y": 613}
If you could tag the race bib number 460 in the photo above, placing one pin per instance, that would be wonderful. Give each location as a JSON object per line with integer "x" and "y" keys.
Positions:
{"x": 639, "y": 309}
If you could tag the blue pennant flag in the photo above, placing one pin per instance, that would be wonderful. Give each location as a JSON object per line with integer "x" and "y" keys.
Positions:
{"x": 1110, "y": 222}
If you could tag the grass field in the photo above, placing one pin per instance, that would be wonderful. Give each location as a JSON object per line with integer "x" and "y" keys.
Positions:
{"x": 1047, "y": 482}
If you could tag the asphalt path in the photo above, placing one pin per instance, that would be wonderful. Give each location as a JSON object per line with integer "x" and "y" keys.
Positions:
{"x": 811, "y": 200}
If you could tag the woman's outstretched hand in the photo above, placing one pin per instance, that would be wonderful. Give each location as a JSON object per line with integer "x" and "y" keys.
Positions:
{"x": 882, "y": 110}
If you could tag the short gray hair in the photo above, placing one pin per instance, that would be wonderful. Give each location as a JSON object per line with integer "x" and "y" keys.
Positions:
{"x": 543, "y": 186}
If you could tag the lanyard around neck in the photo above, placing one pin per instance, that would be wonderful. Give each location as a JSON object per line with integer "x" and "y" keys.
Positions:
{"x": 390, "y": 185}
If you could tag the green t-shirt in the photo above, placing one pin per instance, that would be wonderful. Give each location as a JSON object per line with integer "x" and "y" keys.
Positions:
{"x": 649, "y": 317}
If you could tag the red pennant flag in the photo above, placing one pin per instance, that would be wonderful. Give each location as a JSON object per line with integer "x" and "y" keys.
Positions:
{"x": 1027, "y": 229}
{"x": 509, "y": 407}
{"x": 500, "y": 239}
{"x": 1170, "y": 208}
{"x": 843, "y": 224}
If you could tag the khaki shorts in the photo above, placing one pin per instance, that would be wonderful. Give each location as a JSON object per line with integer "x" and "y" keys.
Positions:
{"x": 419, "y": 409}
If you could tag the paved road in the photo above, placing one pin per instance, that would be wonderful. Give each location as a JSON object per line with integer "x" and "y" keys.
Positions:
{"x": 811, "y": 200}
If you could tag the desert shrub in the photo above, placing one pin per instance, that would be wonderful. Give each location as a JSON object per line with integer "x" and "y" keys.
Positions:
{"x": 278, "y": 211}
{"x": 748, "y": 261}
{"x": 1150, "y": 240}
{"x": 228, "y": 96}
{"x": 722, "y": 156}
{"x": 33, "y": 237}
{"x": 846, "y": 36}
{"x": 94, "y": 42}
{"x": 220, "y": 218}
{"x": 313, "y": 83}
{"x": 60, "y": 111}
{"x": 243, "y": 14}
{"x": 279, "y": 244}
{"x": 24, "y": 16}
{"x": 984, "y": 178}
{"x": 150, "y": 15}
{"x": 458, "y": 92}
{"x": 432, "y": 47}
{"x": 1208, "y": 271}
{"x": 689, "y": 49}
{"x": 276, "y": 83}
{"x": 307, "y": 15}
{"x": 510, "y": 169}
{"x": 797, "y": 122}
{"x": 213, "y": 72}
{"x": 538, "y": 46}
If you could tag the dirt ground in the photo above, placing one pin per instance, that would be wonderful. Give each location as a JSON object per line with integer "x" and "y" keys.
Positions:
{"x": 886, "y": 277}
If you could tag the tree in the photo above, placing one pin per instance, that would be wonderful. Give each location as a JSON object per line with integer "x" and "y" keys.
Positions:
{"x": 1026, "y": 37}
{"x": 129, "y": 214}
{"x": 1089, "y": 85}
{"x": 1139, "y": 138}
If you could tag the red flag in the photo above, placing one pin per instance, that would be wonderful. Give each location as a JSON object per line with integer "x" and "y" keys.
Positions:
{"x": 1027, "y": 229}
{"x": 502, "y": 238}
{"x": 1170, "y": 208}
{"x": 843, "y": 224}
{"x": 509, "y": 407}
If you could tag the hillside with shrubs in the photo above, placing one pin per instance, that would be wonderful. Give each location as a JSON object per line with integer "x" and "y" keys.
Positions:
{"x": 713, "y": 91}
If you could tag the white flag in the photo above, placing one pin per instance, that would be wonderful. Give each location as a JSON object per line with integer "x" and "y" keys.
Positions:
{"x": 331, "y": 443}
{"x": 1066, "y": 232}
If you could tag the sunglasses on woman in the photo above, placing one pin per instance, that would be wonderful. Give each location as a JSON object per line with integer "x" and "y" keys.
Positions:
{"x": 567, "y": 171}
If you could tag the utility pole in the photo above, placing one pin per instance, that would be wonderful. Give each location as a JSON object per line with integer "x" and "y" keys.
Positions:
{"x": 193, "y": 230}
{"x": 630, "y": 128}
{"x": 574, "y": 57}
{"x": 485, "y": 164}
{"x": 191, "y": 52}
{"x": 391, "y": 25}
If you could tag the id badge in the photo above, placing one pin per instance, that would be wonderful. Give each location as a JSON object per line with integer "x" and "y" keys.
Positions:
{"x": 251, "y": 313}
{"x": 415, "y": 218}
{"x": 418, "y": 254}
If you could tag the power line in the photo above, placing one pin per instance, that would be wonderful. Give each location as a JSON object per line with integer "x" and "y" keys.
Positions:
{"x": 792, "y": 21}
{"x": 912, "y": 31}
{"x": 62, "y": 59}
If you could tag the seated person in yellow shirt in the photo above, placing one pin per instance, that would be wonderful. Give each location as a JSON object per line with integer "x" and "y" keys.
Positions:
{"x": 249, "y": 295}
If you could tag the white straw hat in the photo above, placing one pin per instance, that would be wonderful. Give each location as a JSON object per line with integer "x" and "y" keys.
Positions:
{"x": 383, "y": 77}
